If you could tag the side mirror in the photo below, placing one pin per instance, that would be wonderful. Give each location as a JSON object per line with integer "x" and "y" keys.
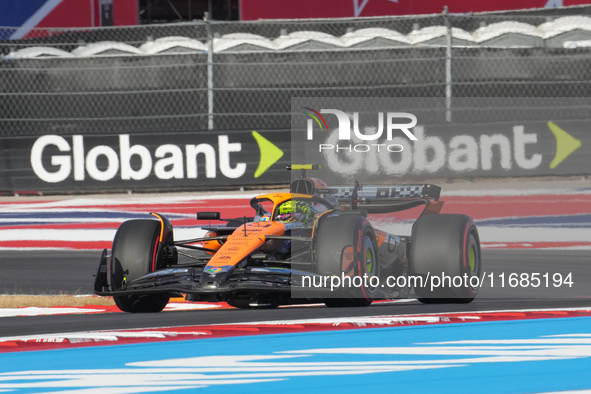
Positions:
{"x": 208, "y": 216}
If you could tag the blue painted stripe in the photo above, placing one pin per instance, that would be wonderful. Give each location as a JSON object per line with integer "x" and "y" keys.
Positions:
{"x": 215, "y": 363}
{"x": 574, "y": 221}
{"x": 73, "y": 217}
{"x": 15, "y": 13}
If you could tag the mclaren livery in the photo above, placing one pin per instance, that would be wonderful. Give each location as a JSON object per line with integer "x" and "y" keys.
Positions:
{"x": 315, "y": 243}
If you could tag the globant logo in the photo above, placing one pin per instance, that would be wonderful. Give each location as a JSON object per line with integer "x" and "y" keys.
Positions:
{"x": 433, "y": 153}
{"x": 169, "y": 161}
{"x": 393, "y": 123}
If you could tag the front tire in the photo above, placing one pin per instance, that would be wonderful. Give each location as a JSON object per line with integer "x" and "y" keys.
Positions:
{"x": 134, "y": 254}
{"x": 146, "y": 303}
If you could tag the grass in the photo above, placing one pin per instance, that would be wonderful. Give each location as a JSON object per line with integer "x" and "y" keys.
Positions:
{"x": 17, "y": 301}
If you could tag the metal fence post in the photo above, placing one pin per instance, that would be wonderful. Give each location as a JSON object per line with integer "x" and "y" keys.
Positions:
{"x": 448, "y": 65}
{"x": 210, "y": 109}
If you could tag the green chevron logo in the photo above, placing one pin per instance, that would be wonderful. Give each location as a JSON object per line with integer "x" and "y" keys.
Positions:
{"x": 566, "y": 144}
{"x": 269, "y": 154}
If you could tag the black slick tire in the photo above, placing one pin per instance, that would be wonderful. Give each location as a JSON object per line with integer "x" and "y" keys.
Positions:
{"x": 133, "y": 255}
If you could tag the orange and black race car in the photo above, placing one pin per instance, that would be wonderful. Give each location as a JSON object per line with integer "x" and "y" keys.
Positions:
{"x": 315, "y": 243}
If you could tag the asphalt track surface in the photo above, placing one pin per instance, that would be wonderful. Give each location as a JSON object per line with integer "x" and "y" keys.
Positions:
{"x": 71, "y": 272}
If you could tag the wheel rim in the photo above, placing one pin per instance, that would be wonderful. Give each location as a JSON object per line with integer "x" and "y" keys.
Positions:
{"x": 369, "y": 256}
{"x": 370, "y": 264}
{"x": 473, "y": 258}
{"x": 368, "y": 260}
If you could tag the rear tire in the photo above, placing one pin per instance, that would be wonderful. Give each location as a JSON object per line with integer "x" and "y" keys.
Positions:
{"x": 347, "y": 244}
{"x": 446, "y": 245}
{"x": 134, "y": 254}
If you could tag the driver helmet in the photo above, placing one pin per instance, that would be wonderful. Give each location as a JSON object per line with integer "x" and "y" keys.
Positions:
{"x": 293, "y": 211}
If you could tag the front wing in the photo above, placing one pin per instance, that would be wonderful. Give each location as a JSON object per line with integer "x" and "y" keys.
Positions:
{"x": 193, "y": 280}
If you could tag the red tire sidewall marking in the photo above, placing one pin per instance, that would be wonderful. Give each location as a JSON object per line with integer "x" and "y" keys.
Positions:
{"x": 155, "y": 253}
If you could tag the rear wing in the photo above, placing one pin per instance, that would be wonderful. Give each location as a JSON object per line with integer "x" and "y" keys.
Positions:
{"x": 388, "y": 199}
{"x": 373, "y": 199}
{"x": 384, "y": 193}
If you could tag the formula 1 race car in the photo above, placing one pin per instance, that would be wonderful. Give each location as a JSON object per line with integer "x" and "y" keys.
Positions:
{"x": 314, "y": 243}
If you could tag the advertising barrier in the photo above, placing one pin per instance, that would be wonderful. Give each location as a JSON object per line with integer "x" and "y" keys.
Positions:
{"x": 380, "y": 139}
{"x": 139, "y": 162}
{"x": 208, "y": 160}
{"x": 463, "y": 151}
